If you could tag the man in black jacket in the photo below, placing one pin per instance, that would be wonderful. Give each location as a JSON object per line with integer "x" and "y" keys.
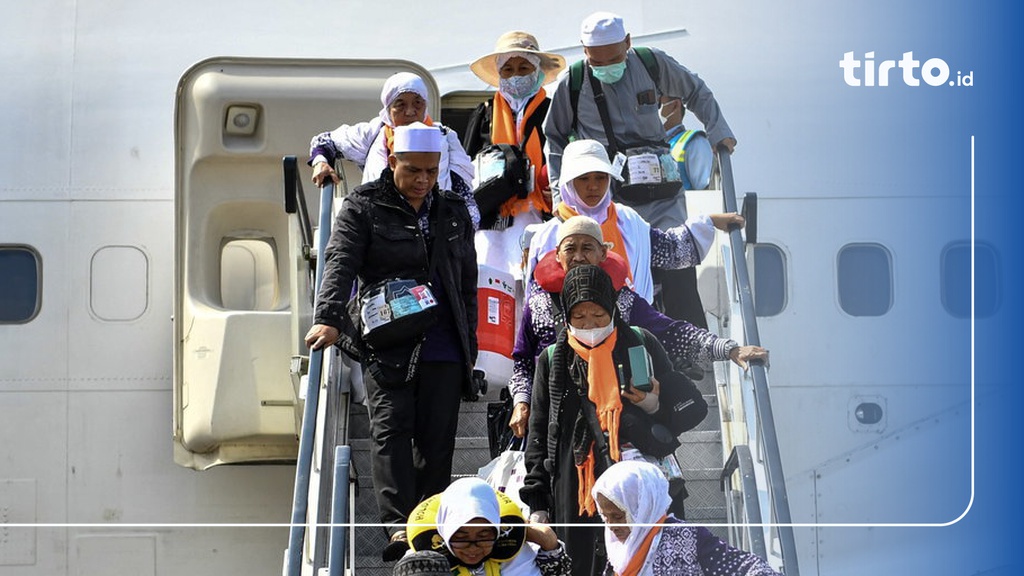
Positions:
{"x": 402, "y": 226}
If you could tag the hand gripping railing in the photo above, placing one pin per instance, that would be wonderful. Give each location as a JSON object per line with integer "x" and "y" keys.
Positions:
{"x": 765, "y": 417}
{"x": 300, "y": 500}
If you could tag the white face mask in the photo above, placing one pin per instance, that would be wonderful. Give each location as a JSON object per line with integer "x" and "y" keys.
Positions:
{"x": 592, "y": 336}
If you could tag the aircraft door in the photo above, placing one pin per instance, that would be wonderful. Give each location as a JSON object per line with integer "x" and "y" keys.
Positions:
{"x": 242, "y": 294}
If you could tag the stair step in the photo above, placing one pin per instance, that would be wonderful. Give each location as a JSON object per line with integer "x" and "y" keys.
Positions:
{"x": 701, "y": 436}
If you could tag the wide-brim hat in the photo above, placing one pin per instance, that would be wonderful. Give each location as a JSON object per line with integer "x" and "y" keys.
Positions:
{"x": 486, "y": 67}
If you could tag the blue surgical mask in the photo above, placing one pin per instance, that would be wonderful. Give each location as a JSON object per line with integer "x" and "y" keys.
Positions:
{"x": 611, "y": 73}
{"x": 519, "y": 87}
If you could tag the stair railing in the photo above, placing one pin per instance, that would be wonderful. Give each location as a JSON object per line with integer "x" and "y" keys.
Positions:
{"x": 761, "y": 423}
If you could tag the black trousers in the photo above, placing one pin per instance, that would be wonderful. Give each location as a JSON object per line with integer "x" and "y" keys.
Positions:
{"x": 412, "y": 429}
{"x": 678, "y": 297}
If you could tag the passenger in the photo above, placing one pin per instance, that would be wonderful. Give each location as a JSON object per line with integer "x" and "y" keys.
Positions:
{"x": 519, "y": 70}
{"x": 401, "y": 226}
{"x": 484, "y": 533}
{"x": 635, "y": 492}
{"x": 369, "y": 144}
{"x": 580, "y": 241}
{"x": 586, "y": 189}
{"x": 690, "y": 148}
{"x": 631, "y": 94}
{"x": 585, "y": 413}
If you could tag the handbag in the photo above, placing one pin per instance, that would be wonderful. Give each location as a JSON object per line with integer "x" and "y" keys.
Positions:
{"x": 503, "y": 171}
{"x": 649, "y": 437}
{"x": 651, "y": 173}
{"x": 395, "y": 311}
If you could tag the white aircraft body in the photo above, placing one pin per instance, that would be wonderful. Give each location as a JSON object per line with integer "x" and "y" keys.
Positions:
{"x": 114, "y": 157}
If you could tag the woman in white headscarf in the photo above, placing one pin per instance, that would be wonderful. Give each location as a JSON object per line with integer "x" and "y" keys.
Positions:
{"x": 482, "y": 537}
{"x": 585, "y": 188}
{"x": 404, "y": 99}
{"x": 643, "y": 539}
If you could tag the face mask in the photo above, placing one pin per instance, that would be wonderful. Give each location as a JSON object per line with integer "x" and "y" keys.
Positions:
{"x": 518, "y": 87}
{"x": 592, "y": 336}
{"x": 611, "y": 73}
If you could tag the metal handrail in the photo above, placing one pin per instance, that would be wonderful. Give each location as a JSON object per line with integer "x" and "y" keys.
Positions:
{"x": 300, "y": 499}
{"x": 741, "y": 460}
{"x": 339, "y": 510}
{"x": 779, "y": 498}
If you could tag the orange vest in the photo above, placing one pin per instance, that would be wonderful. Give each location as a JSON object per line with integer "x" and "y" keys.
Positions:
{"x": 504, "y": 131}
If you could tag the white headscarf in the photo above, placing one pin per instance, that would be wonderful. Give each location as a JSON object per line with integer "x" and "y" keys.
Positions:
{"x": 396, "y": 85}
{"x": 464, "y": 500}
{"x": 641, "y": 491}
{"x": 571, "y": 199}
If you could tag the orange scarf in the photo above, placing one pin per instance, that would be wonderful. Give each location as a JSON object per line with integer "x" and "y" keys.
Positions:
{"x": 603, "y": 391}
{"x": 389, "y": 134}
{"x": 609, "y": 229}
{"x": 505, "y": 131}
{"x": 637, "y": 562}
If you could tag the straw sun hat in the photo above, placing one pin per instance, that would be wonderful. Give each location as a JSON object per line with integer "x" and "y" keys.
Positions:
{"x": 486, "y": 67}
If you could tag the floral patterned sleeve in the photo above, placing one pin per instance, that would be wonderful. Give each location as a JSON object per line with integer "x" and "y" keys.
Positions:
{"x": 554, "y": 562}
{"x": 717, "y": 557}
{"x": 673, "y": 248}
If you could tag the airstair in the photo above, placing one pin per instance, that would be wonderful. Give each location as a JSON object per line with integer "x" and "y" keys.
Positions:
{"x": 731, "y": 460}
{"x": 246, "y": 275}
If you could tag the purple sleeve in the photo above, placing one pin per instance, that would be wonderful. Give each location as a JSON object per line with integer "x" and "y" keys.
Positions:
{"x": 323, "y": 145}
{"x": 524, "y": 357}
{"x": 680, "y": 338}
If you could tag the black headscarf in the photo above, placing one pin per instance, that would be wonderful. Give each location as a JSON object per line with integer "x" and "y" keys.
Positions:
{"x": 588, "y": 283}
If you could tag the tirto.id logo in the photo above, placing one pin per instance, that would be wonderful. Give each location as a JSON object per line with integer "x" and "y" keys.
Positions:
{"x": 934, "y": 71}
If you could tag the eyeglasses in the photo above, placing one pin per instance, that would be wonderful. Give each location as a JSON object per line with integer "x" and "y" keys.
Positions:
{"x": 463, "y": 544}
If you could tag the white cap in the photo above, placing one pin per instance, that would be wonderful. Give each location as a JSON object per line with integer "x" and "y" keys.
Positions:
{"x": 583, "y": 156}
{"x": 601, "y": 29}
{"x": 417, "y": 137}
{"x": 579, "y": 224}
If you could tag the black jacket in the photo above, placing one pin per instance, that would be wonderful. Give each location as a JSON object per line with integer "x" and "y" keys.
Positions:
{"x": 550, "y": 482}
{"x": 377, "y": 236}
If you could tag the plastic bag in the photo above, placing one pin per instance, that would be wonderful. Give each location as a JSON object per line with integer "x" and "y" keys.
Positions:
{"x": 507, "y": 474}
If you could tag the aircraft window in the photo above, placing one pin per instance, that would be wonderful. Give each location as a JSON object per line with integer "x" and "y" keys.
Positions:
{"x": 119, "y": 283}
{"x": 248, "y": 275}
{"x": 21, "y": 289}
{"x": 956, "y": 280}
{"x": 865, "y": 279}
{"x": 769, "y": 280}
